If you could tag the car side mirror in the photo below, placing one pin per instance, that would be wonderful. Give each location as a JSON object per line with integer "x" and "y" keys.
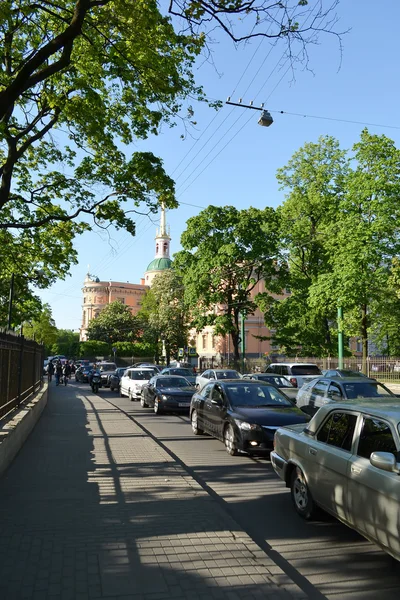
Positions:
{"x": 218, "y": 402}
{"x": 385, "y": 461}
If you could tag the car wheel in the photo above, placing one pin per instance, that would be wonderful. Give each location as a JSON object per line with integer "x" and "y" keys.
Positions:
{"x": 229, "y": 440}
{"x": 130, "y": 397}
{"x": 301, "y": 495}
{"x": 195, "y": 427}
{"x": 157, "y": 409}
{"x": 143, "y": 402}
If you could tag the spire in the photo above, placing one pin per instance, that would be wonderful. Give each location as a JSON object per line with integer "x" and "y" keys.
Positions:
{"x": 163, "y": 222}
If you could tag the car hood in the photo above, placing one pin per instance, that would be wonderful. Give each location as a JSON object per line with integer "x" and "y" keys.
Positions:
{"x": 177, "y": 391}
{"x": 271, "y": 416}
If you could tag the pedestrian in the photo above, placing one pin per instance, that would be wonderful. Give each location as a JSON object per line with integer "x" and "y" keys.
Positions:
{"x": 66, "y": 372}
{"x": 50, "y": 371}
{"x": 58, "y": 371}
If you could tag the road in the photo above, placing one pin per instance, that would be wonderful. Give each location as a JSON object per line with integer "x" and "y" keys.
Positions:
{"x": 325, "y": 558}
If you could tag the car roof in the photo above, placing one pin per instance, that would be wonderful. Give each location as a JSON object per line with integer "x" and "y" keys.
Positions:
{"x": 164, "y": 376}
{"x": 344, "y": 380}
{"x": 241, "y": 381}
{"x": 219, "y": 370}
{"x": 293, "y": 364}
{"x": 139, "y": 368}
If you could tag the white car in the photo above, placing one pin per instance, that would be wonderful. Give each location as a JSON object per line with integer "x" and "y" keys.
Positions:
{"x": 214, "y": 375}
{"x": 133, "y": 380}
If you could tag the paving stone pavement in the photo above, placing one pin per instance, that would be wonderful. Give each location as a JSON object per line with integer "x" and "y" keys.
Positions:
{"x": 92, "y": 508}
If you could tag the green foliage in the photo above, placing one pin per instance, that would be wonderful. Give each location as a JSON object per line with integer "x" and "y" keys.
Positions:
{"x": 42, "y": 329}
{"x": 226, "y": 252}
{"x": 93, "y": 349}
{"x": 165, "y": 312}
{"x": 115, "y": 323}
{"x": 134, "y": 349}
{"x": 67, "y": 343}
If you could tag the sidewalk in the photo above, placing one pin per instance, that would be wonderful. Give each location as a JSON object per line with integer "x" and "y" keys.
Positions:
{"x": 92, "y": 508}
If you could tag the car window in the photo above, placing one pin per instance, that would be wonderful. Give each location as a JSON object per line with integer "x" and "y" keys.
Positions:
{"x": 275, "y": 380}
{"x": 330, "y": 373}
{"x": 141, "y": 375}
{"x": 181, "y": 371}
{"x": 206, "y": 374}
{"x": 334, "y": 391}
{"x": 272, "y": 369}
{"x": 338, "y": 430}
{"x": 227, "y": 375}
{"x": 165, "y": 372}
{"x": 365, "y": 389}
{"x": 305, "y": 370}
{"x": 217, "y": 395}
{"x": 320, "y": 387}
{"x": 255, "y": 395}
{"x": 375, "y": 436}
{"x": 206, "y": 391}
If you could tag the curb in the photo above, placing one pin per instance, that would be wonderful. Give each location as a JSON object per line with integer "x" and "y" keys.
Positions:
{"x": 16, "y": 430}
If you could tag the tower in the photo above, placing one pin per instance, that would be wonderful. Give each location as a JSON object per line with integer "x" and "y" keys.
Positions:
{"x": 162, "y": 259}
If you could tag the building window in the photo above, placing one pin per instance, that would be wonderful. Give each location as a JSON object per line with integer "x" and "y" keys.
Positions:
{"x": 204, "y": 340}
{"x": 122, "y": 300}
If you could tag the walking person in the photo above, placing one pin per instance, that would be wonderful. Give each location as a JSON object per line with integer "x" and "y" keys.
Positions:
{"x": 50, "y": 371}
{"x": 58, "y": 372}
{"x": 66, "y": 372}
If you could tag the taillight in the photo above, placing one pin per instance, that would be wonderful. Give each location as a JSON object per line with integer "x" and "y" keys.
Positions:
{"x": 293, "y": 381}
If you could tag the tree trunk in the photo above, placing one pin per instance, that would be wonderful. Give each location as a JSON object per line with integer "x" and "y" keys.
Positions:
{"x": 328, "y": 339}
{"x": 364, "y": 338}
{"x": 235, "y": 340}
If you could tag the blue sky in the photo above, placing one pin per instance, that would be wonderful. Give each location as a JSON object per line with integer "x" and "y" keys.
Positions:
{"x": 229, "y": 159}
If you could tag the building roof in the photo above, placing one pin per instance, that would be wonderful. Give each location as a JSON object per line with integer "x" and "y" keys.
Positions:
{"x": 159, "y": 264}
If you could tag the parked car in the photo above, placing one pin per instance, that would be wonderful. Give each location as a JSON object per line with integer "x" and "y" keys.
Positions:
{"x": 322, "y": 390}
{"x": 214, "y": 375}
{"x": 115, "y": 378}
{"x": 346, "y": 462}
{"x": 280, "y": 382}
{"x": 156, "y": 368}
{"x": 167, "y": 393}
{"x": 342, "y": 373}
{"x": 297, "y": 373}
{"x": 186, "y": 373}
{"x": 82, "y": 373}
{"x": 242, "y": 413}
{"x": 106, "y": 368}
{"x": 133, "y": 380}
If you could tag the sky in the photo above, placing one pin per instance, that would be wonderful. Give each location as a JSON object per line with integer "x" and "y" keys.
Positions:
{"x": 228, "y": 159}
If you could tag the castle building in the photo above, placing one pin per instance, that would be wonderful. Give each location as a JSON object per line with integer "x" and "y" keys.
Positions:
{"x": 98, "y": 294}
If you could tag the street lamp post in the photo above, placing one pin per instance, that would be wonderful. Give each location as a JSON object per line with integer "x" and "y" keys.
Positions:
{"x": 265, "y": 119}
{"x": 340, "y": 336}
{"x": 10, "y": 302}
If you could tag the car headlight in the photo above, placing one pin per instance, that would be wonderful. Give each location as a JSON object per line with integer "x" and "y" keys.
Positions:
{"x": 247, "y": 426}
{"x": 164, "y": 397}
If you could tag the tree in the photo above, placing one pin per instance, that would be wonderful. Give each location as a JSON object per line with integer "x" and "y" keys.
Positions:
{"x": 166, "y": 311}
{"x": 364, "y": 239}
{"x": 226, "y": 252}
{"x": 67, "y": 343}
{"x": 313, "y": 181}
{"x": 93, "y": 349}
{"x": 115, "y": 323}
{"x": 79, "y": 82}
{"x": 43, "y": 329}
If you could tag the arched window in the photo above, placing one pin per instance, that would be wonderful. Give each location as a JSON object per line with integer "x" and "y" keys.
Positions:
{"x": 165, "y": 247}
{"x": 156, "y": 248}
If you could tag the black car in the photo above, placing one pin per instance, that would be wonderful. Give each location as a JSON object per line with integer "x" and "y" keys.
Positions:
{"x": 167, "y": 393}
{"x": 244, "y": 414}
{"x": 82, "y": 373}
{"x": 115, "y": 378}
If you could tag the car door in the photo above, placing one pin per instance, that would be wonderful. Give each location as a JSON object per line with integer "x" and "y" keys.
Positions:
{"x": 151, "y": 392}
{"x": 201, "y": 398}
{"x": 374, "y": 494}
{"x": 318, "y": 395}
{"x": 215, "y": 407}
{"x": 334, "y": 393}
{"x": 125, "y": 382}
{"x": 203, "y": 379}
{"x": 328, "y": 459}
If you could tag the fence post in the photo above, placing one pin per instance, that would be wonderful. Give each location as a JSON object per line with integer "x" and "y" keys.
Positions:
{"x": 34, "y": 369}
{"x": 20, "y": 363}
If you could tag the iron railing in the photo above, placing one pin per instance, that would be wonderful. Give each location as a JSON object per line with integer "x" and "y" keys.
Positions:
{"x": 21, "y": 370}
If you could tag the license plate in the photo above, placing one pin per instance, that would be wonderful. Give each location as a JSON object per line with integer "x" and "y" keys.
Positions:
{"x": 184, "y": 404}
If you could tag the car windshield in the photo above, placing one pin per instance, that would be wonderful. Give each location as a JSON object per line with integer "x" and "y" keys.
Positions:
{"x": 146, "y": 375}
{"x": 227, "y": 375}
{"x": 365, "y": 389}
{"x": 255, "y": 395}
{"x": 171, "y": 382}
{"x": 121, "y": 371}
{"x": 305, "y": 370}
{"x": 107, "y": 367}
{"x": 184, "y": 372}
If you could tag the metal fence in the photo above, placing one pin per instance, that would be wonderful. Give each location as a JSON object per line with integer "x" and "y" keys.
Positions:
{"x": 380, "y": 367}
{"x": 21, "y": 370}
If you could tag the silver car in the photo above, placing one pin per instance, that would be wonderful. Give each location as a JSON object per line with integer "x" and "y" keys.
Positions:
{"x": 346, "y": 461}
{"x": 214, "y": 375}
